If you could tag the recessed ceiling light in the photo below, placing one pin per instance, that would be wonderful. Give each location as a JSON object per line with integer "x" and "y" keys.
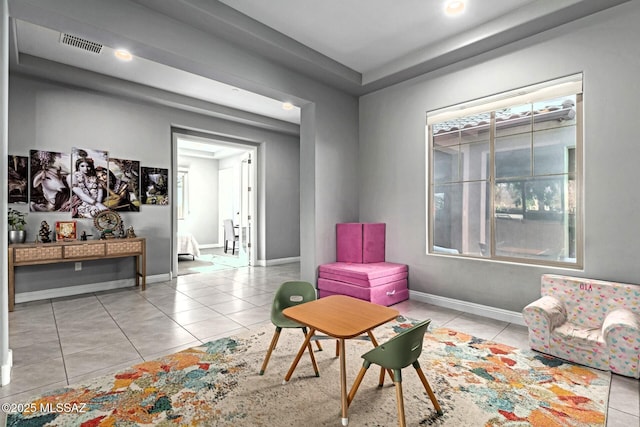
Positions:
{"x": 123, "y": 55}
{"x": 454, "y": 7}
{"x": 287, "y": 106}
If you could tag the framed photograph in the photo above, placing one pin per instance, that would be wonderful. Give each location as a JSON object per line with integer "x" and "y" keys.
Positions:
{"x": 18, "y": 179}
{"x": 89, "y": 182}
{"x": 66, "y": 230}
{"x": 48, "y": 186}
{"x": 124, "y": 185}
{"x": 155, "y": 185}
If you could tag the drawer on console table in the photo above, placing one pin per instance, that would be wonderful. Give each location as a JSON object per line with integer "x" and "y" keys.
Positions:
{"x": 124, "y": 247}
{"x": 37, "y": 253}
{"x": 80, "y": 251}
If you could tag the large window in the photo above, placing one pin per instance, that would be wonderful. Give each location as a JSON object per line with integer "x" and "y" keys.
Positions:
{"x": 505, "y": 176}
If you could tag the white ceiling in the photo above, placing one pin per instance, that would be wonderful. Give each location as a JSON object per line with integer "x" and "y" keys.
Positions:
{"x": 45, "y": 43}
{"x": 193, "y": 146}
{"x": 365, "y": 35}
{"x": 355, "y": 45}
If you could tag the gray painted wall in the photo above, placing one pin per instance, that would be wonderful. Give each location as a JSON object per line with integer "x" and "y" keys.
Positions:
{"x": 392, "y": 156}
{"x": 329, "y": 124}
{"x": 51, "y": 117}
{"x": 201, "y": 220}
{"x": 282, "y": 199}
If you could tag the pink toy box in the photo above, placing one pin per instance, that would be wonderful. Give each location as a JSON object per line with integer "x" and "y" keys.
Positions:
{"x": 361, "y": 271}
{"x": 360, "y": 242}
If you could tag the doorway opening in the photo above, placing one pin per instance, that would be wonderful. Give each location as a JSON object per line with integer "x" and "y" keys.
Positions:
{"x": 214, "y": 182}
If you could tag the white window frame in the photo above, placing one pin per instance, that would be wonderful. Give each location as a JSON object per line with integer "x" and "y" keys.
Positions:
{"x": 566, "y": 86}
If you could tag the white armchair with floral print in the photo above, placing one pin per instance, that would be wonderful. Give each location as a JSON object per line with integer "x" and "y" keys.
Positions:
{"x": 590, "y": 322}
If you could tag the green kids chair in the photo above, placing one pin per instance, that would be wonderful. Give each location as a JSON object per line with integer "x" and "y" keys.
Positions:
{"x": 398, "y": 353}
{"x": 290, "y": 294}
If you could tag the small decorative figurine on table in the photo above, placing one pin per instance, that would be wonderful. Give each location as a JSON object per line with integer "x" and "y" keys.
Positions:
{"x": 83, "y": 236}
{"x": 44, "y": 232}
{"x": 130, "y": 232}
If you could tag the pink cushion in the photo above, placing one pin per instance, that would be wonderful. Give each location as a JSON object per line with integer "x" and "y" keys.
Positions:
{"x": 366, "y": 272}
{"x": 349, "y": 242}
{"x": 373, "y": 240}
{"x": 367, "y": 283}
{"x": 388, "y": 294}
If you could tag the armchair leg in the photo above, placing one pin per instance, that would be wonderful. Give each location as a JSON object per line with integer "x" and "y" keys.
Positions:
{"x": 274, "y": 342}
{"x": 427, "y": 387}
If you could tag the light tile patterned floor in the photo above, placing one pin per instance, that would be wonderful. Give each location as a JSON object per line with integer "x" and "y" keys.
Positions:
{"x": 68, "y": 340}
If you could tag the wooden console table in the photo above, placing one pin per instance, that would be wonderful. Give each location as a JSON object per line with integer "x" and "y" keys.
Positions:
{"x": 74, "y": 251}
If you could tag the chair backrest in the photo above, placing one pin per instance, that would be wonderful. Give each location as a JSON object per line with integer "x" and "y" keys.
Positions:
{"x": 401, "y": 350}
{"x": 229, "y": 232}
{"x": 289, "y": 294}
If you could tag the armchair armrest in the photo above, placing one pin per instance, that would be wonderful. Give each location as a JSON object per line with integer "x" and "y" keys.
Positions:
{"x": 620, "y": 318}
{"x": 621, "y": 332}
{"x": 547, "y": 310}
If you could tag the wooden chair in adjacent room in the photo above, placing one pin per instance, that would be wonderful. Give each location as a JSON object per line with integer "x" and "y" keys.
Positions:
{"x": 230, "y": 236}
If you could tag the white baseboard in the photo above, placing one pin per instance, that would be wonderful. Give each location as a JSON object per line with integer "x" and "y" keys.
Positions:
{"x": 85, "y": 289}
{"x": 469, "y": 307}
{"x": 5, "y": 370}
{"x": 157, "y": 278}
{"x": 278, "y": 261}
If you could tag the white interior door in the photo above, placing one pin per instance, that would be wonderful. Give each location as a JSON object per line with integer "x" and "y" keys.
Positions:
{"x": 246, "y": 208}
{"x": 225, "y": 200}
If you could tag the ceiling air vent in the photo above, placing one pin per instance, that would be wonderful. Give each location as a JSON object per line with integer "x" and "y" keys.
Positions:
{"x": 81, "y": 43}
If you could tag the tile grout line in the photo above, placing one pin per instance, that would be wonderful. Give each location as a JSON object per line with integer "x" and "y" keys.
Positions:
{"x": 64, "y": 362}
{"x": 119, "y": 327}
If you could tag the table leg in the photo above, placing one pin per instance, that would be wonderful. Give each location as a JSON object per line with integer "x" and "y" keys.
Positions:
{"x": 11, "y": 281}
{"x": 313, "y": 358}
{"x": 143, "y": 260}
{"x": 137, "y": 270}
{"x": 306, "y": 342}
{"x": 343, "y": 384}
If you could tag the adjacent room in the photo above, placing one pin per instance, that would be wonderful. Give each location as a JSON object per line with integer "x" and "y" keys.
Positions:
{"x": 227, "y": 212}
{"x": 211, "y": 199}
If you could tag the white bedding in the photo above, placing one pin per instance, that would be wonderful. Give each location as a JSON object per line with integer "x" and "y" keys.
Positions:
{"x": 188, "y": 245}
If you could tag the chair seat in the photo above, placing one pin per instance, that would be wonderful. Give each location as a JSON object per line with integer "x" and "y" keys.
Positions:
{"x": 284, "y": 322}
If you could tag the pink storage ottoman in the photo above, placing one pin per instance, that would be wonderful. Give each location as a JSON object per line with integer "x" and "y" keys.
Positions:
{"x": 383, "y": 283}
{"x": 387, "y": 294}
{"x": 364, "y": 274}
{"x": 360, "y": 242}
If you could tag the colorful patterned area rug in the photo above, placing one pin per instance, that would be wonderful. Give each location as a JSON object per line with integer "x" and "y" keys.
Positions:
{"x": 477, "y": 382}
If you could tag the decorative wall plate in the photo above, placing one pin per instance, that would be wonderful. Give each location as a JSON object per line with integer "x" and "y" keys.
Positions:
{"x": 107, "y": 222}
